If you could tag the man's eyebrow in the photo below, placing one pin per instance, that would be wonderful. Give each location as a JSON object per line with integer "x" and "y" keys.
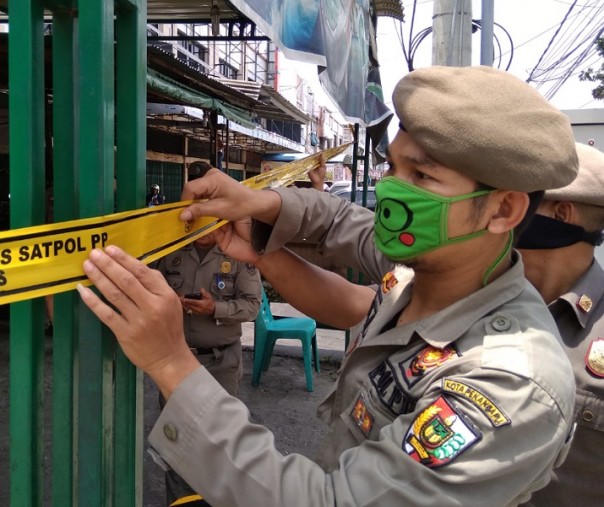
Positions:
{"x": 419, "y": 161}
{"x": 426, "y": 160}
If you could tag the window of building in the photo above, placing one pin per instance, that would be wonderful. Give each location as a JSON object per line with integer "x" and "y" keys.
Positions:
{"x": 227, "y": 70}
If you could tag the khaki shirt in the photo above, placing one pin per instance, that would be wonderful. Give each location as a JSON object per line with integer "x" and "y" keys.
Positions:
{"x": 580, "y": 318}
{"x": 471, "y": 406}
{"x": 235, "y": 287}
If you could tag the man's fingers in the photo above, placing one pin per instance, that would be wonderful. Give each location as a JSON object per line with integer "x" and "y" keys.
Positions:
{"x": 104, "y": 312}
{"x": 133, "y": 276}
{"x": 200, "y": 188}
{"x": 104, "y": 283}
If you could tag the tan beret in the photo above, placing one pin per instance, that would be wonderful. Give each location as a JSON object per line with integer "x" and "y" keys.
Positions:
{"x": 588, "y": 186}
{"x": 489, "y": 125}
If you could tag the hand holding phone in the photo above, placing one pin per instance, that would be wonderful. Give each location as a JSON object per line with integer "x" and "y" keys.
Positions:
{"x": 193, "y": 295}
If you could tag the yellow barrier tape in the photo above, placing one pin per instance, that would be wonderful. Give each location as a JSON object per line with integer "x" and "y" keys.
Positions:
{"x": 47, "y": 259}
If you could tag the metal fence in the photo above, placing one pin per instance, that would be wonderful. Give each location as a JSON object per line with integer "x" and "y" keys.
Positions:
{"x": 97, "y": 99}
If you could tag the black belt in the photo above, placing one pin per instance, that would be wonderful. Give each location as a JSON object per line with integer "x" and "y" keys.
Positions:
{"x": 201, "y": 350}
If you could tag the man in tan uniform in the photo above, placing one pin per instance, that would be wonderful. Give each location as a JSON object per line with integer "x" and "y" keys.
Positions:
{"x": 558, "y": 253}
{"x": 457, "y": 392}
{"x": 229, "y": 293}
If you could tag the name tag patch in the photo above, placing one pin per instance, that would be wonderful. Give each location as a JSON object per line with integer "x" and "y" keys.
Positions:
{"x": 389, "y": 391}
{"x": 439, "y": 434}
{"x": 487, "y": 406}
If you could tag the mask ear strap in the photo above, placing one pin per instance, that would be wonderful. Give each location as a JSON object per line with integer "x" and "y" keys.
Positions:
{"x": 497, "y": 261}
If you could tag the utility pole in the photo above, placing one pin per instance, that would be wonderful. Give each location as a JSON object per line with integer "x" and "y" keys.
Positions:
{"x": 452, "y": 33}
{"x": 486, "y": 32}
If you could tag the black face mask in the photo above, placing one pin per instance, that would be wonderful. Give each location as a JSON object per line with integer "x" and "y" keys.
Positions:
{"x": 544, "y": 233}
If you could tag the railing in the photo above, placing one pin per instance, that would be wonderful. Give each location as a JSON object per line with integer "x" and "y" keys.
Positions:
{"x": 96, "y": 430}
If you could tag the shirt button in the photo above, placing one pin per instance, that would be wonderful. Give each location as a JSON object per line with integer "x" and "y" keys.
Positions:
{"x": 501, "y": 323}
{"x": 588, "y": 415}
{"x": 170, "y": 432}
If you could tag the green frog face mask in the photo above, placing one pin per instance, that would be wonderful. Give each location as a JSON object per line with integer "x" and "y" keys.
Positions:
{"x": 410, "y": 221}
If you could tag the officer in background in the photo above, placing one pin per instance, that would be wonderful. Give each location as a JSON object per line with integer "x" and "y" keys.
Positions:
{"x": 558, "y": 253}
{"x": 217, "y": 294}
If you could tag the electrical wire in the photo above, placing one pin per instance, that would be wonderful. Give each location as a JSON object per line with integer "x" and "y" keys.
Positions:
{"x": 571, "y": 48}
{"x": 414, "y": 41}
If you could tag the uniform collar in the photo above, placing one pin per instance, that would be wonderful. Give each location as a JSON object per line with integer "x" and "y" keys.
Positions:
{"x": 449, "y": 324}
{"x": 212, "y": 251}
{"x": 446, "y": 326}
{"x": 585, "y": 294}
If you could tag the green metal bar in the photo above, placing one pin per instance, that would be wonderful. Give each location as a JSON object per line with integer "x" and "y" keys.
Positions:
{"x": 65, "y": 206}
{"x": 131, "y": 72}
{"x": 26, "y": 136}
{"x": 95, "y": 346}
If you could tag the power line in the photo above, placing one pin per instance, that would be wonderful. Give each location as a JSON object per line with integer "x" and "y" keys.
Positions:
{"x": 552, "y": 40}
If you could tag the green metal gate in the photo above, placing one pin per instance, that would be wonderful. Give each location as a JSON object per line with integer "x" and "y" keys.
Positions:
{"x": 98, "y": 132}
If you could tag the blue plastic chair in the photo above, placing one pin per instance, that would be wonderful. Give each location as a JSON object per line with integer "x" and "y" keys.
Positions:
{"x": 267, "y": 330}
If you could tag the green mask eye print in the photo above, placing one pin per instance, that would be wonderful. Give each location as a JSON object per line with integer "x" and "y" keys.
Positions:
{"x": 410, "y": 221}
{"x": 395, "y": 216}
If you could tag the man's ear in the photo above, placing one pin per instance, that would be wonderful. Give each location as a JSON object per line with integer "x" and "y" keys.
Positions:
{"x": 565, "y": 211}
{"x": 508, "y": 210}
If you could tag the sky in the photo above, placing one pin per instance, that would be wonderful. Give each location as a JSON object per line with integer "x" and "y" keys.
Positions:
{"x": 531, "y": 25}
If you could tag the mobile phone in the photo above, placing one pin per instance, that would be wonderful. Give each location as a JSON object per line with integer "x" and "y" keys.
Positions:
{"x": 194, "y": 295}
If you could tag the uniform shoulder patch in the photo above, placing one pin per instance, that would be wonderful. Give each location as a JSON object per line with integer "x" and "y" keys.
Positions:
{"x": 439, "y": 434}
{"x": 486, "y": 405}
{"x": 251, "y": 269}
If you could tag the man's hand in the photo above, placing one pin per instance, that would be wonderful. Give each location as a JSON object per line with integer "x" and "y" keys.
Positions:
{"x": 235, "y": 240}
{"x": 148, "y": 320}
{"x": 317, "y": 176}
{"x": 229, "y": 199}
{"x": 203, "y": 306}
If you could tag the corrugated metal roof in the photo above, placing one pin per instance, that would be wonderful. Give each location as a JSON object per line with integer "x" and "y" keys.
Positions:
{"x": 265, "y": 104}
{"x": 198, "y": 10}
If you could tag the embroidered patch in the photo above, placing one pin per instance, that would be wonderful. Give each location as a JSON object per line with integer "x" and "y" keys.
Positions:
{"x": 428, "y": 358}
{"x": 388, "y": 282}
{"x": 439, "y": 434}
{"x": 584, "y": 303}
{"x": 362, "y": 417}
{"x": 251, "y": 269}
{"x": 389, "y": 391}
{"x": 594, "y": 359}
{"x": 487, "y": 406}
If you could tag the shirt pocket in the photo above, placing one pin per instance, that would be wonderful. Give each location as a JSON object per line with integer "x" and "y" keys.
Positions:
{"x": 222, "y": 286}
{"x": 175, "y": 282}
